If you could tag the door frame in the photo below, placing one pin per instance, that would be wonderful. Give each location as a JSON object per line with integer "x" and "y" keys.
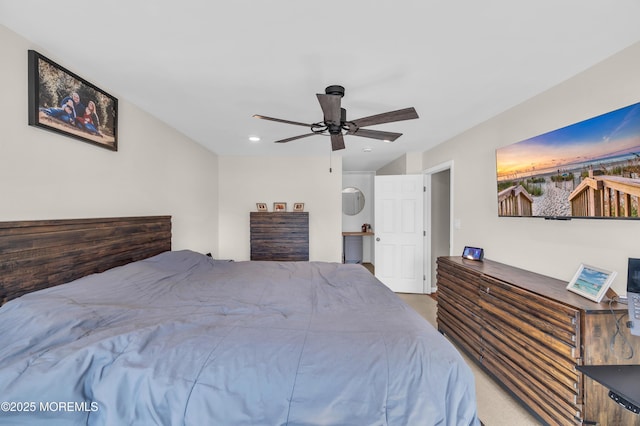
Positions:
{"x": 431, "y": 287}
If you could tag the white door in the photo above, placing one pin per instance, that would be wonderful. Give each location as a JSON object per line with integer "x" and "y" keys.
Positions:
{"x": 399, "y": 233}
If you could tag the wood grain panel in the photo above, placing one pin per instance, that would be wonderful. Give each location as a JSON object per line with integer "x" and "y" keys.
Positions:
{"x": 546, "y": 407}
{"x": 44, "y": 253}
{"x": 279, "y": 236}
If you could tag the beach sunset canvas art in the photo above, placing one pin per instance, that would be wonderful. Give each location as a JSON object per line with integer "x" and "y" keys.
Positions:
{"x": 588, "y": 169}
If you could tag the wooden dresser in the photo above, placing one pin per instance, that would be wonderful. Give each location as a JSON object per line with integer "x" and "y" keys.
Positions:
{"x": 529, "y": 333}
{"x": 282, "y": 236}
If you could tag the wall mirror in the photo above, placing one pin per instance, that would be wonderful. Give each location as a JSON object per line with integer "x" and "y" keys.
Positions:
{"x": 352, "y": 201}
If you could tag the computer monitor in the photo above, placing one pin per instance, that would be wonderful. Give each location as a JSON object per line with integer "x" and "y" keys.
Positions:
{"x": 633, "y": 295}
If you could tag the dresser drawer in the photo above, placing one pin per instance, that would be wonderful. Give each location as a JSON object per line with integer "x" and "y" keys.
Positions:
{"x": 546, "y": 320}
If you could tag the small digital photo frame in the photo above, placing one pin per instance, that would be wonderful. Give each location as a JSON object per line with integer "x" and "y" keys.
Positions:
{"x": 473, "y": 253}
{"x": 591, "y": 282}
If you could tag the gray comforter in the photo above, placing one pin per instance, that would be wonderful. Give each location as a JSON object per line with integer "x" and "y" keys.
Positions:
{"x": 182, "y": 339}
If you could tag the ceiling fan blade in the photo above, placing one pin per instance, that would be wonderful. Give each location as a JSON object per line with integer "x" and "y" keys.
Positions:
{"x": 279, "y": 120}
{"x": 330, "y": 107}
{"x": 387, "y": 117}
{"x": 376, "y": 134}
{"x": 337, "y": 142}
{"x": 295, "y": 138}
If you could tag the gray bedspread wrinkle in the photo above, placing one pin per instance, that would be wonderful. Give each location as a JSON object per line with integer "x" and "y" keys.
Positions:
{"x": 181, "y": 339}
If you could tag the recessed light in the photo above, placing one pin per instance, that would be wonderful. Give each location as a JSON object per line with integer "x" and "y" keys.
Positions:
{"x": 367, "y": 149}
{"x": 254, "y": 138}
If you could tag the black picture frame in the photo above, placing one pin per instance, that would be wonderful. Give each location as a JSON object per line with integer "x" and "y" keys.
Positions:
{"x": 52, "y": 89}
{"x": 473, "y": 253}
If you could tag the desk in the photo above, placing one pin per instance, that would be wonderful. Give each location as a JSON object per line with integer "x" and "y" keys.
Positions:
{"x": 622, "y": 380}
{"x": 352, "y": 246}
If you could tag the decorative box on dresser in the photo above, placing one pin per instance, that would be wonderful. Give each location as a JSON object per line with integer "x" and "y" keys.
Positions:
{"x": 529, "y": 333}
{"x": 281, "y": 236}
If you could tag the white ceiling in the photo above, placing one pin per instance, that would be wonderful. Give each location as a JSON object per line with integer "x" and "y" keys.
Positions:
{"x": 205, "y": 67}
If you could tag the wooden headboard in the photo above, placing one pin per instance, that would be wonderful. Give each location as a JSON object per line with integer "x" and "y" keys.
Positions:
{"x": 38, "y": 254}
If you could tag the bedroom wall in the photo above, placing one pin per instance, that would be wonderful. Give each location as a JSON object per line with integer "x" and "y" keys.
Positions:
{"x": 554, "y": 248}
{"x": 245, "y": 181}
{"x": 409, "y": 163}
{"x": 395, "y": 167}
{"x": 156, "y": 170}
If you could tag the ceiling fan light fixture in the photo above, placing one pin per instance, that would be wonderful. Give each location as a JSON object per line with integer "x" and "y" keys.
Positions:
{"x": 335, "y": 89}
{"x": 336, "y": 125}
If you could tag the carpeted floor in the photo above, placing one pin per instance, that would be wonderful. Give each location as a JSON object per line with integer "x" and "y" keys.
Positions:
{"x": 495, "y": 406}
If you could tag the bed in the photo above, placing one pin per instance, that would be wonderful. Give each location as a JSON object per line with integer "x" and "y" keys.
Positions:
{"x": 181, "y": 338}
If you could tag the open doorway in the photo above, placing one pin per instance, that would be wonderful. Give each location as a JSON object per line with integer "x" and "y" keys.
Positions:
{"x": 438, "y": 182}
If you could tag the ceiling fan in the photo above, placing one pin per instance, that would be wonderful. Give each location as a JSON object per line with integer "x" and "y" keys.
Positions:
{"x": 335, "y": 122}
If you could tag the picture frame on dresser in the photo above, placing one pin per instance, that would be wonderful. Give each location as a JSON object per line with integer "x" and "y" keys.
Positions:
{"x": 279, "y": 207}
{"x": 262, "y": 207}
{"x": 65, "y": 103}
{"x": 473, "y": 253}
{"x": 591, "y": 282}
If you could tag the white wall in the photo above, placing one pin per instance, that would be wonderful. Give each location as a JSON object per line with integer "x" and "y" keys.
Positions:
{"x": 395, "y": 167}
{"x": 245, "y": 181}
{"x": 554, "y": 248}
{"x": 156, "y": 170}
{"x": 409, "y": 163}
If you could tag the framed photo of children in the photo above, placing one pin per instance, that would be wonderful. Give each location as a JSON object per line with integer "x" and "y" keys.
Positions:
{"x": 62, "y": 102}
